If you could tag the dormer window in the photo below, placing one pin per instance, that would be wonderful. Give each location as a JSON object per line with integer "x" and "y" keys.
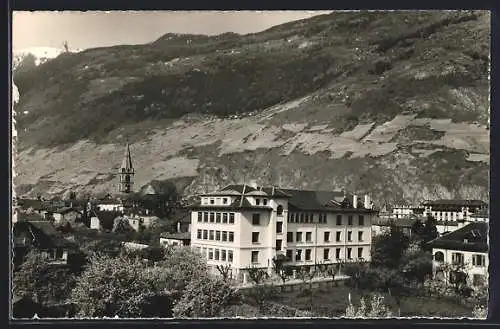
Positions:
{"x": 257, "y": 202}
{"x": 224, "y": 200}
{"x": 264, "y": 201}
{"x": 212, "y": 201}
{"x": 279, "y": 210}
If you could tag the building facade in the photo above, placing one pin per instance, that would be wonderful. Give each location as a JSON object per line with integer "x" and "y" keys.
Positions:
{"x": 465, "y": 249}
{"x": 453, "y": 210}
{"x": 243, "y": 226}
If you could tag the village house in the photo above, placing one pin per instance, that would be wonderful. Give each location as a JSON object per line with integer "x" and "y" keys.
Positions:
{"x": 453, "y": 210}
{"x": 466, "y": 249}
{"x": 175, "y": 239}
{"x": 247, "y": 226}
{"x": 67, "y": 213}
{"x": 40, "y": 235}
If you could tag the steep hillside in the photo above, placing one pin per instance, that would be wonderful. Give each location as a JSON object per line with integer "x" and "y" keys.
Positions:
{"x": 394, "y": 104}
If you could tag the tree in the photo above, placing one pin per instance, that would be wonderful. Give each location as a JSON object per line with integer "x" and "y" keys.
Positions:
{"x": 417, "y": 266}
{"x": 65, "y": 45}
{"x": 41, "y": 281}
{"x": 122, "y": 226}
{"x": 281, "y": 269}
{"x": 225, "y": 272}
{"x": 111, "y": 248}
{"x": 183, "y": 265}
{"x": 120, "y": 286}
{"x": 429, "y": 232}
{"x": 374, "y": 308}
{"x": 260, "y": 292}
{"x": 205, "y": 296}
{"x": 417, "y": 229}
{"x": 389, "y": 248}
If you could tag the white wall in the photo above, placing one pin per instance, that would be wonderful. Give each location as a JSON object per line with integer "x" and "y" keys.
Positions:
{"x": 470, "y": 268}
{"x": 110, "y": 207}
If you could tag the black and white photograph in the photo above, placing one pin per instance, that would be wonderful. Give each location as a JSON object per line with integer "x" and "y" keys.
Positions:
{"x": 250, "y": 164}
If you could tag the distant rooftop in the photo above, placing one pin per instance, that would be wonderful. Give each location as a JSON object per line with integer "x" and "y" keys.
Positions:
{"x": 454, "y": 202}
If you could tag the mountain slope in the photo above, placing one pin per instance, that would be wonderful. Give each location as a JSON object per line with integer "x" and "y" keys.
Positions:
{"x": 395, "y": 104}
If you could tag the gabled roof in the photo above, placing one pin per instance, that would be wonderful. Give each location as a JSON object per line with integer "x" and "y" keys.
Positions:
{"x": 32, "y": 203}
{"x": 239, "y": 189}
{"x": 127, "y": 160}
{"x": 65, "y": 210}
{"x": 472, "y": 237}
{"x": 454, "y": 202}
{"x": 46, "y": 234}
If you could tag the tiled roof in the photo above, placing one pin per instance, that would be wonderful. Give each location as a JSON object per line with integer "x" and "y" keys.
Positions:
{"x": 454, "y": 202}
{"x": 177, "y": 236}
{"x": 473, "y": 237}
{"x": 45, "y": 233}
{"x": 398, "y": 222}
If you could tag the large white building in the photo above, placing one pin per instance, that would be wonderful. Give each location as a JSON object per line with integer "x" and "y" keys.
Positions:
{"x": 244, "y": 226}
{"x": 453, "y": 210}
{"x": 466, "y": 247}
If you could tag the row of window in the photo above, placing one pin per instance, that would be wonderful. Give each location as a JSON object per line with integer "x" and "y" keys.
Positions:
{"x": 213, "y": 235}
{"x": 458, "y": 258}
{"x": 321, "y": 218}
{"x": 326, "y": 236}
{"x": 307, "y": 253}
{"x": 216, "y": 217}
{"x": 222, "y": 255}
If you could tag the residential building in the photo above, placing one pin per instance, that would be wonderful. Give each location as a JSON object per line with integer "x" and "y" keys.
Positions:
{"x": 175, "y": 239}
{"x": 67, "y": 213}
{"x": 405, "y": 210}
{"x": 453, "y": 210}
{"x": 109, "y": 203}
{"x": 247, "y": 226}
{"x": 465, "y": 249}
{"x": 41, "y": 235}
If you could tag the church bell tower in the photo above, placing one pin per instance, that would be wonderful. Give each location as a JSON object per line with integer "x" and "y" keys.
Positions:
{"x": 126, "y": 172}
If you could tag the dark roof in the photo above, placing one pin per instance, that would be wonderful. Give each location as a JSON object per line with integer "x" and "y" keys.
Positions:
{"x": 65, "y": 210}
{"x": 177, "y": 236}
{"x": 398, "y": 222}
{"x": 454, "y": 202}
{"x": 32, "y": 203}
{"x": 46, "y": 234}
{"x": 29, "y": 217}
{"x": 472, "y": 237}
{"x": 300, "y": 200}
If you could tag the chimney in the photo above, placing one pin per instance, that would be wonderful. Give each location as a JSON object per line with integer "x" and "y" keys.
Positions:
{"x": 367, "y": 202}
{"x": 178, "y": 227}
{"x": 355, "y": 201}
{"x": 253, "y": 183}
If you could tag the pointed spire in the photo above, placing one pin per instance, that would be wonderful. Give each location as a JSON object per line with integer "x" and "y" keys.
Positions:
{"x": 127, "y": 160}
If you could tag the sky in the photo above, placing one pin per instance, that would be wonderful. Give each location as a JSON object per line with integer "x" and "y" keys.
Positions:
{"x": 98, "y": 29}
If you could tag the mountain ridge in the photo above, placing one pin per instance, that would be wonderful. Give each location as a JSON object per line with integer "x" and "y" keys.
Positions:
{"x": 396, "y": 105}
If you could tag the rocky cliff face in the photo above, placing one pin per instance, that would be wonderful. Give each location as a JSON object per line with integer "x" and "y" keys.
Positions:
{"x": 391, "y": 104}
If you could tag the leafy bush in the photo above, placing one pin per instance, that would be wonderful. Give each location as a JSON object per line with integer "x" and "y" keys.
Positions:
{"x": 373, "y": 308}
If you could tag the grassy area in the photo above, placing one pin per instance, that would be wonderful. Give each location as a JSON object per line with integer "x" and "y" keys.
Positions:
{"x": 332, "y": 301}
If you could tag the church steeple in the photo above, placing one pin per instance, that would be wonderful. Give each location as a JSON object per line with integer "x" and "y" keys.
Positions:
{"x": 126, "y": 172}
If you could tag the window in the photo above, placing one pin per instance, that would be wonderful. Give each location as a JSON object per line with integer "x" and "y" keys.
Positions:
{"x": 337, "y": 253}
{"x": 289, "y": 254}
{"x": 224, "y": 218}
{"x": 279, "y": 227}
{"x": 298, "y": 255}
{"x": 308, "y": 236}
{"x": 212, "y": 201}
{"x": 360, "y": 252}
{"x": 292, "y": 217}
{"x": 211, "y": 235}
{"x": 223, "y": 255}
{"x": 338, "y": 236}
{"x": 360, "y": 236}
{"x": 216, "y": 254}
{"x": 257, "y": 202}
{"x": 212, "y": 217}
{"x": 439, "y": 256}
{"x": 302, "y": 218}
{"x": 289, "y": 237}
{"x": 230, "y": 256}
{"x": 205, "y": 217}
{"x": 224, "y": 236}
{"x": 210, "y": 253}
{"x": 339, "y": 219}
{"x": 349, "y": 220}
{"x": 326, "y": 254}
{"x": 457, "y": 258}
{"x": 349, "y": 236}
{"x": 205, "y": 234}
{"x": 361, "y": 219}
{"x": 256, "y": 219}
{"x": 278, "y": 244}
{"x": 200, "y": 216}
{"x": 199, "y": 234}
{"x": 327, "y": 236}
{"x": 478, "y": 260}
{"x": 279, "y": 210}
{"x": 217, "y": 235}
{"x": 264, "y": 202}
{"x": 255, "y": 256}
{"x": 224, "y": 201}
{"x": 308, "y": 254}
{"x": 59, "y": 253}
{"x": 231, "y": 218}
{"x": 349, "y": 253}
{"x": 218, "y": 217}
{"x": 298, "y": 237}
{"x": 231, "y": 236}
{"x": 255, "y": 237}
